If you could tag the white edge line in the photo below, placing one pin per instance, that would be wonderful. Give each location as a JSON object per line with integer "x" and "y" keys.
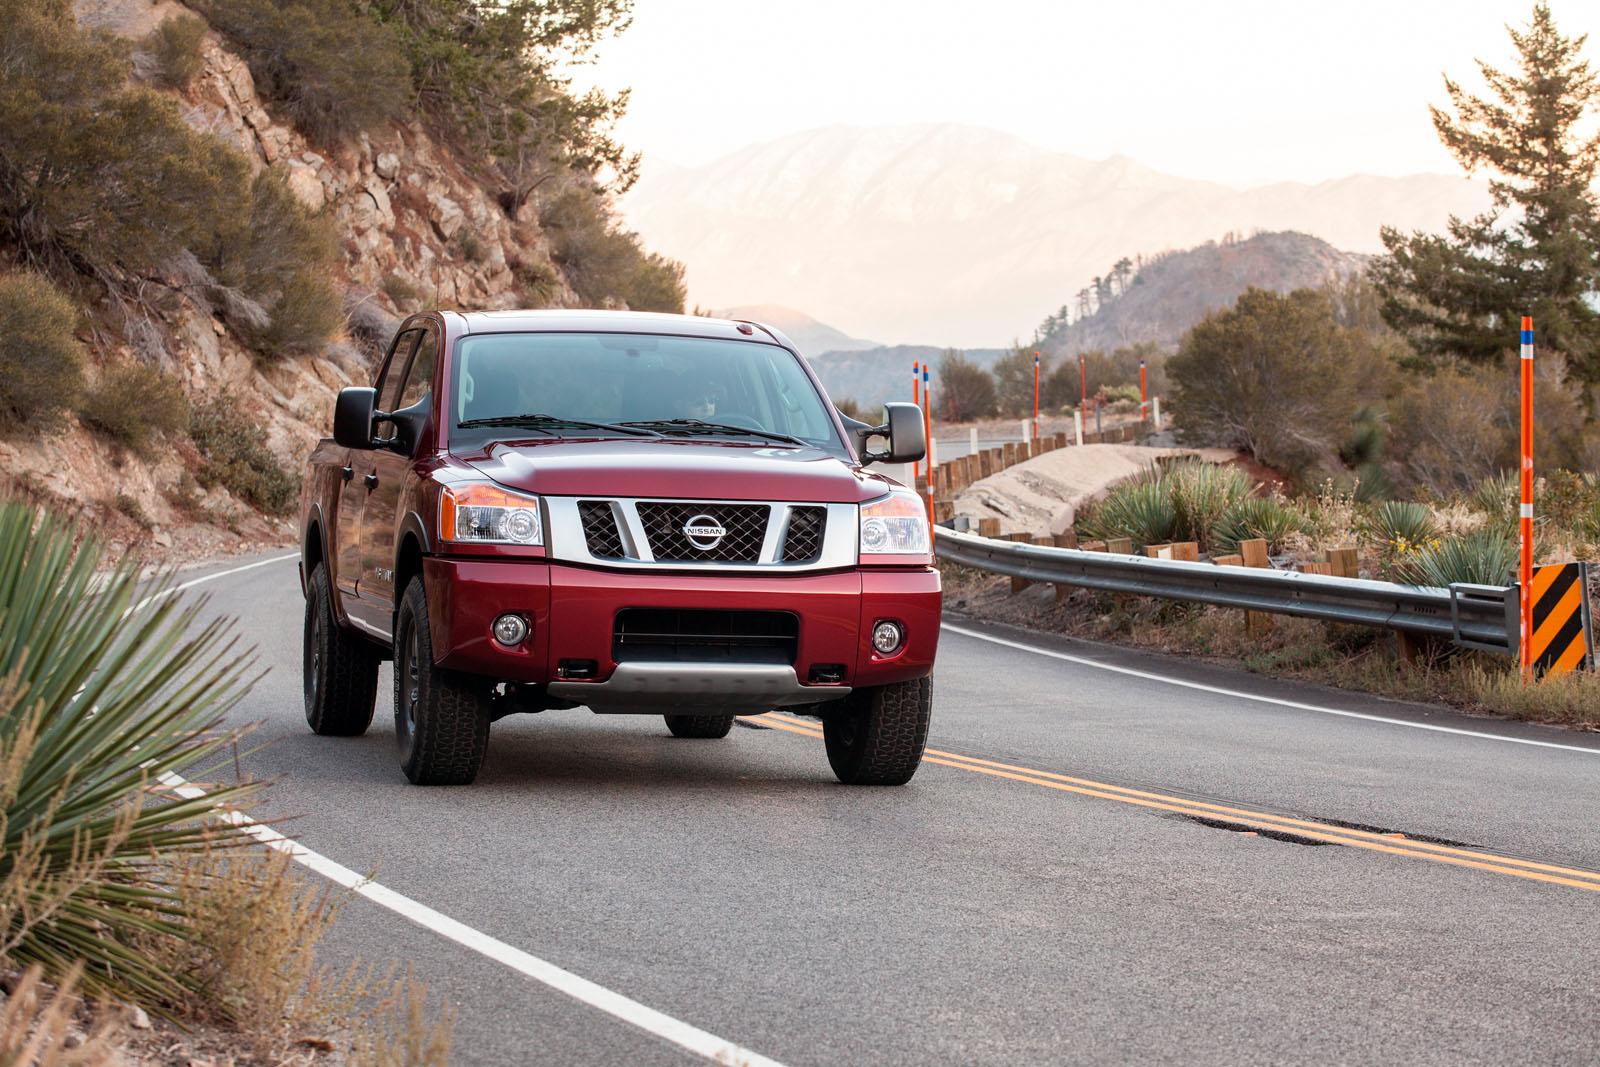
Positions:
{"x": 191, "y": 583}
{"x": 682, "y": 1034}
{"x": 1220, "y": 691}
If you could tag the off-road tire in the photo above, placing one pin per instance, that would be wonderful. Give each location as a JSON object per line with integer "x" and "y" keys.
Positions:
{"x": 441, "y": 718}
{"x": 340, "y": 669}
{"x": 707, "y": 727}
{"x": 875, "y": 736}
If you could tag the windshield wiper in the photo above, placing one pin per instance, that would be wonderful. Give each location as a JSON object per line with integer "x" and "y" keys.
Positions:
{"x": 700, "y": 426}
{"x": 549, "y": 423}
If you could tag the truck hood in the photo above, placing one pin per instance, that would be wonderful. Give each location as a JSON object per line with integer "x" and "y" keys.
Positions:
{"x": 691, "y": 469}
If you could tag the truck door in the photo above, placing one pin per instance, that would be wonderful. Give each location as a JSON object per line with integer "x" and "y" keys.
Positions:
{"x": 382, "y": 517}
{"x": 347, "y": 534}
{"x": 370, "y": 608}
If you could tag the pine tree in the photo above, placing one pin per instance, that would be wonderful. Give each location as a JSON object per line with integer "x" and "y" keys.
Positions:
{"x": 1537, "y": 249}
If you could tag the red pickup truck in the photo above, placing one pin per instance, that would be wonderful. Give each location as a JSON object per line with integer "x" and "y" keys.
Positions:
{"x": 636, "y": 513}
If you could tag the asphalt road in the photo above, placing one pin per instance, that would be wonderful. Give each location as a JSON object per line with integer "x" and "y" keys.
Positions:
{"x": 1102, "y": 866}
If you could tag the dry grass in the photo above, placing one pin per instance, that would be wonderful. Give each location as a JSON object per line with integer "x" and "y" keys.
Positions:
{"x": 36, "y": 1027}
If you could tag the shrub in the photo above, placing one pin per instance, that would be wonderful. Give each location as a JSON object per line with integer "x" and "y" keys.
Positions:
{"x": 1483, "y": 557}
{"x": 174, "y": 48}
{"x": 849, "y": 408}
{"x": 230, "y": 442}
{"x": 1275, "y": 375}
{"x": 41, "y": 365}
{"x": 604, "y": 264}
{"x": 281, "y": 259}
{"x": 334, "y": 70}
{"x": 1141, "y": 509}
{"x": 96, "y": 177}
{"x": 1496, "y": 496}
{"x": 401, "y": 293}
{"x": 1255, "y": 517}
{"x": 1202, "y": 493}
{"x": 134, "y": 403}
{"x": 109, "y": 684}
{"x": 964, "y": 391}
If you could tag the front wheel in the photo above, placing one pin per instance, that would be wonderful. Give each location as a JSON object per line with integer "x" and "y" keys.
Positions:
{"x": 441, "y": 719}
{"x": 875, "y": 736}
{"x": 707, "y": 727}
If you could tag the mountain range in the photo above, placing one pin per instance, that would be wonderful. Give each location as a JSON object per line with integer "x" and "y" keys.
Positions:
{"x": 960, "y": 235}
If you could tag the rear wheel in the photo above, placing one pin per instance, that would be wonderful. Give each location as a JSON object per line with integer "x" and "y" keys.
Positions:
{"x": 441, "y": 719}
{"x": 702, "y": 726}
{"x": 341, "y": 670}
{"x": 875, "y": 736}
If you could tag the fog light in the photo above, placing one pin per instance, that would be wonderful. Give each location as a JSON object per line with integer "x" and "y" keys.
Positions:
{"x": 510, "y": 629}
{"x": 887, "y": 636}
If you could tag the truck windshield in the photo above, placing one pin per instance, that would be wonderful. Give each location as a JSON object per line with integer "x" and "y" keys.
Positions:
{"x": 635, "y": 385}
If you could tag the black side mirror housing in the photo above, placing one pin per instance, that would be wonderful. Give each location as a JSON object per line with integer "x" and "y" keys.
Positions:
{"x": 353, "y": 415}
{"x": 902, "y": 426}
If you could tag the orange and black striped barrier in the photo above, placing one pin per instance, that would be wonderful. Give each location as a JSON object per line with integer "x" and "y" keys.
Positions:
{"x": 1563, "y": 633}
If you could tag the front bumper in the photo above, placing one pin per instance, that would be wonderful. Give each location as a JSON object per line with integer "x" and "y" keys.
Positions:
{"x": 571, "y": 613}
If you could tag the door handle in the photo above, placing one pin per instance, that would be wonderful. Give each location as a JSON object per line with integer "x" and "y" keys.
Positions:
{"x": 372, "y": 480}
{"x": 347, "y": 472}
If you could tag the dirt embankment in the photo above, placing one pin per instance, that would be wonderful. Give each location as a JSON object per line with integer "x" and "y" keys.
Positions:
{"x": 1043, "y": 495}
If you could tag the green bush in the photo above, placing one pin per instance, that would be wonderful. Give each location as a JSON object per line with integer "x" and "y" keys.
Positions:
{"x": 97, "y": 178}
{"x": 108, "y": 685}
{"x": 1141, "y": 509}
{"x": 334, "y": 70}
{"x": 604, "y": 264}
{"x": 174, "y": 48}
{"x": 41, "y": 364}
{"x": 230, "y": 442}
{"x": 281, "y": 259}
{"x": 1496, "y": 496}
{"x": 133, "y": 404}
{"x": 1255, "y": 517}
{"x": 1483, "y": 557}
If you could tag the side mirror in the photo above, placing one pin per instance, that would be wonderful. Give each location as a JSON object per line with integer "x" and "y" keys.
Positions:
{"x": 353, "y": 414}
{"x": 902, "y": 426}
{"x": 908, "y": 441}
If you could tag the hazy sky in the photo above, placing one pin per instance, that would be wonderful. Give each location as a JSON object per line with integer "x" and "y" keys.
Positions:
{"x": 1239, "y": 91}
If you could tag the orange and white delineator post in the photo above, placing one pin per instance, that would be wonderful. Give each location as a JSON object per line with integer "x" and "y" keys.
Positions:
{"x": 1035, "y": 396}
{"x": 916, "y": 398}
{"x": 1525, "y": 508}
{"x": 927, "y": 435}
{"x": 1144, "y": 395}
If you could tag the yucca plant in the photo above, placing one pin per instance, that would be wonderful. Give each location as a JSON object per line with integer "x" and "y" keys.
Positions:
{"x": 1496, "y": 496}
{"x": 1253, "y": 517}
{"x": 1139, "y": 509}
{"x": 1402, "y": 525}
{"x": 1201, "y": 494}
{"x": 107, "y": 685}
{"x": 1483, "y": 557}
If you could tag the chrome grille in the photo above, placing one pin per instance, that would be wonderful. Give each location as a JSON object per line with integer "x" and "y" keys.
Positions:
{"x": 600, "y": 529}
{"x": 802, "y": 541}
{"x": 745, "y": 526}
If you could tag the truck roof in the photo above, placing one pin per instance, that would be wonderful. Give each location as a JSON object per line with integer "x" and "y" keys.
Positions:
{"x": 594, "y": 321}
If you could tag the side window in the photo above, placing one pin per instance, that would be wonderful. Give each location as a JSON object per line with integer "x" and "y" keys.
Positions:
{"x": 419, "y": 381}
{"x": 394, "y": 370}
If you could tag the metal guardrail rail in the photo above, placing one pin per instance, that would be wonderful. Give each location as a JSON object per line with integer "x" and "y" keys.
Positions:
{"x": 1473, "y": 616}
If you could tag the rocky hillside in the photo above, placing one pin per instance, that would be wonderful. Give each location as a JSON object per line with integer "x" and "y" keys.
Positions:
{"x": 870, "y": 376}
{"x": 1171, "y": 292}
{"x": 965, "y": 236}
{"x": 417, "y": 224}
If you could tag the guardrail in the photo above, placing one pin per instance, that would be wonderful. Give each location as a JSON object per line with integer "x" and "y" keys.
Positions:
{"x": 1473, "y": 616}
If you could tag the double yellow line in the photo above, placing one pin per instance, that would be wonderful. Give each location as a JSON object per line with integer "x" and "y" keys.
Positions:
{"x": 1244, "y": 818}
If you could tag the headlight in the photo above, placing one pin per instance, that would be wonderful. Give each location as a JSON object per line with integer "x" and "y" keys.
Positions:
{"x": 896, "y": 525}
{"x": 488, "y": 515}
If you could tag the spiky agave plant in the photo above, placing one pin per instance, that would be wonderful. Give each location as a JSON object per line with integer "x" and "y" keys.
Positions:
{"x": 1403, "y": 525}
{"x": 1482, "y": 557}
{"x": 108, "y": 685}
{"x": 1139, "y": 509}
{"x": 1202, "y": 493}
{"x": 1252, "y": 517}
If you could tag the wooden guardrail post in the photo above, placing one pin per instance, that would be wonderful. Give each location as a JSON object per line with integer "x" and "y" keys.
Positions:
{"x": 1254, "y": 552}
{"x": 988, "y": 527}
{"x": 1344, "y": 562}
{"x": 1019, "y": 584}
{"x": 1120, "y": 545}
